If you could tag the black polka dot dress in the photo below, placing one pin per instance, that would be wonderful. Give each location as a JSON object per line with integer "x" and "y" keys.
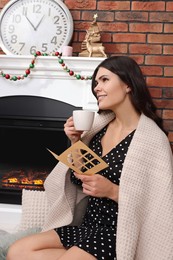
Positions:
{"x": 97, "y": 233}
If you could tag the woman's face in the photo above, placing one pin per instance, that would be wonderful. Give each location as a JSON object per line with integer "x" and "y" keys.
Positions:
{"x": 110, "y": 90}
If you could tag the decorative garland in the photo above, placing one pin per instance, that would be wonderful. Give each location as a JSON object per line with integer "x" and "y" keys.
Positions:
{"x": 32, "y": 65}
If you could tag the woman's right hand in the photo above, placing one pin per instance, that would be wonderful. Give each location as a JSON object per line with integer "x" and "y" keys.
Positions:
{"x": 70, "y": 131}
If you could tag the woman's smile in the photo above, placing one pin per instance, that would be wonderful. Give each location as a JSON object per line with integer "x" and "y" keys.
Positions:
{"x": 101, "y": 97}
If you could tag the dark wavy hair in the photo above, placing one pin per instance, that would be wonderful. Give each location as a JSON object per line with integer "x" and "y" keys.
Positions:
{"x": 130, "y": 73}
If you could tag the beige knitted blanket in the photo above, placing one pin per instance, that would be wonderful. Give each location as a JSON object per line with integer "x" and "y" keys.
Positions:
{"x": 145, "y": 219}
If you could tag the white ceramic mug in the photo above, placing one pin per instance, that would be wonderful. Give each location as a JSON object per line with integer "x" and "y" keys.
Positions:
{"x": 83, "y": 119}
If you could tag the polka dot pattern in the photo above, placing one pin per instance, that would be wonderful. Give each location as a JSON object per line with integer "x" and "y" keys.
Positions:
{"x": 97, "y": 233}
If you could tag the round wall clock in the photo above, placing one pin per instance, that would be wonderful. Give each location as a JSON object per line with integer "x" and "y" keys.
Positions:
{"x": 27, "y": 26}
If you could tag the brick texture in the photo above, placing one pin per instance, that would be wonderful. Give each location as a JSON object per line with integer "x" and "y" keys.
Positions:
{"x": 140, "y": 29}
{"x": 3, "y": 2}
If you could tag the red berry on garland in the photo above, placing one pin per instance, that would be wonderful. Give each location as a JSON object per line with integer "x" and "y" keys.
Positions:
{"x": 56, "y": 53}
{"x": 38, "y": 53}
{"x": 27, "y": 71}
{"x": 7, "y": 76}
{"x": 71, "y": 73}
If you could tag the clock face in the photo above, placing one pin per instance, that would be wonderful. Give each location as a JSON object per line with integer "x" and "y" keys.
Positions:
{"x": 27, "y": 26}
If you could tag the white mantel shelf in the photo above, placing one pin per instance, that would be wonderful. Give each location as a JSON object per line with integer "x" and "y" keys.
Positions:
{"x": 48, "y": 79}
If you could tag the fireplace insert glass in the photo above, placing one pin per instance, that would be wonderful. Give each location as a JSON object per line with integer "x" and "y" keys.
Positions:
{"x": 28, "y": 126}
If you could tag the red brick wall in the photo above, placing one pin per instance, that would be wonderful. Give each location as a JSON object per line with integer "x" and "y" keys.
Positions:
{"x": 141, "y": 29}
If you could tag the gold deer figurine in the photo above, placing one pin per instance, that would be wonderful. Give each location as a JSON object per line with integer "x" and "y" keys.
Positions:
{"x": 94, "y": 47}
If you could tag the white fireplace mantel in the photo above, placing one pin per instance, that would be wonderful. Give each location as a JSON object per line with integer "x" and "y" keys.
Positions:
{"x": 48, "y": 79}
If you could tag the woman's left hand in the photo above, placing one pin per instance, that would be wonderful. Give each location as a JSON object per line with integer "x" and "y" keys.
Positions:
{"x": 97, "y": 185}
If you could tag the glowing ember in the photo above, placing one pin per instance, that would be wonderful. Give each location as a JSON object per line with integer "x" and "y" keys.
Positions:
{"x": 12, "y": 180}
{"x": 21, "y": 179}
{"x": 38, "y": 182}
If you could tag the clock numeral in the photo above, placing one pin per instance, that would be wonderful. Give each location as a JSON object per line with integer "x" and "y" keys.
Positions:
{"x": 13, "y": 39}
{"x": 44, "y": 47}
{"x": 33, "y": 49}
{"x": 56, "y": 18}
{"x": 11, "y": 28}
{"x": 58, "y": 30}
{"x": 22, "y": 45}
{"x": 54, "y": 40}
{"x": 16, "y": 18}
{"x": 37, "y": 9}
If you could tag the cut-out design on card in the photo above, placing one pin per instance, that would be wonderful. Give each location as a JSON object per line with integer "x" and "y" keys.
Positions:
{"x": 80, "y": 158}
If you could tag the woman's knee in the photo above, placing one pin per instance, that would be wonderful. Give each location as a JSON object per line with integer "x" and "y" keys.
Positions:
{"x": 24, "y": 248}
{"x": 21, "y": 248}
{"x": 15, "y": 251}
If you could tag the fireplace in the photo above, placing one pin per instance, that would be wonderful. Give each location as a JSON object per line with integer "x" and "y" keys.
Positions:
{"x": 48, "y": 80}
{"x": 28, "y": 126}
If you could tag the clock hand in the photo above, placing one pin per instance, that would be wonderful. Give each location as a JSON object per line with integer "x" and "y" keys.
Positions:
{"x": 31, "y": 23}
{"x": 39, "y": 23}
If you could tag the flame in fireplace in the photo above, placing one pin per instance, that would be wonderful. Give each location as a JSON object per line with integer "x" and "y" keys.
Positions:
{"x": 31, "y": 179}
{"x": 12, "y": 180}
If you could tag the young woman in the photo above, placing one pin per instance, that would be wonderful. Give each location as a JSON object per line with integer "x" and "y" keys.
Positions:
{"x": 125, "y": 211}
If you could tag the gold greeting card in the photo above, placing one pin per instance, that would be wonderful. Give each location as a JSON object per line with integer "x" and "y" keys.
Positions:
{"x": 81, "y": 159}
